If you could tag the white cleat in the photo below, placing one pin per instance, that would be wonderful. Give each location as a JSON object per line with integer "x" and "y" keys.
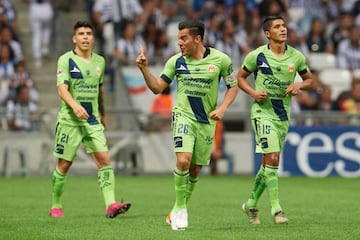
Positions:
{"x": 179, "y": 219}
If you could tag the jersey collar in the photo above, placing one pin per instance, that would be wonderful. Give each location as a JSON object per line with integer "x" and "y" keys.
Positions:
{"x": 207, "y": 52}
{"x": 286, "y": 46}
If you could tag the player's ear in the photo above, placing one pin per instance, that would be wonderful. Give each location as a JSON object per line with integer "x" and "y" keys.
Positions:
{"x": 267, "y": 33}
{"x": 197, "y": 38}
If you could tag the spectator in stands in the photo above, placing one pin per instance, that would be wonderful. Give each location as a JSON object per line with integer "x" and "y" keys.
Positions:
{"x": 213, "y": 30}
{"x": 125, "y": 10}
{"x": 163, "y": 49}
{"x": 127, "y": 46}
{"x": 40, "y": 17}
{"x": 348, "y": 54}
{"x": 11, "y": 16}
{"x": 326, "y": 103}
{"x": 156, "y": 38}
{"x": 350, "y": 100}
{"x": 155, "y": 11}
{"x": 22, "y": 77}
{"x": 308, "y": 100}
{"x": 317, "y": 8}
{"x": 103, "y": 18}
{"x": 21, "y": 113}
{"x": 4, "y": 21}
{"x": 219, "y": 151}
{"x": 297, "y": 41}
{"x": 149, "y": 35}
{"x": 255, "y": 36}
{"x": 273, "y": 7}
{"x": 61, "y": 36}
{"x": 6, "y": 71}
{"x": 6, "y": 37}
{"x": 316, "y": 39}
{"x": 239, "y": 18}
{"x": 355, "y": 11}
{"x": 228, "y": 42}
{"x": 162, "y": 104}
{"x": 341, "y": 29}
{"x": 179, "y": 10}
{"x": 161, "y": 111}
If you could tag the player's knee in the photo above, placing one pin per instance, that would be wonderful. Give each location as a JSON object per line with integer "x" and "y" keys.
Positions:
{"x": 272, "y": 159}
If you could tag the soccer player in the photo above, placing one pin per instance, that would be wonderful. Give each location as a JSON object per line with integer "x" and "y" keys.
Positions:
{"x": 82, "y": 119}
{"x": 274, "y": 66}
{"x": 197, "y": 70}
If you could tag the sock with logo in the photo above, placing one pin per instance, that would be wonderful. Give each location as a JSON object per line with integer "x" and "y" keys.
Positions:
{"x": 190, "y": 187}
{"x": 106, "y": 181}
{"x": 58, "y": 184}
{"x": 259, "y": 187}
{"x": 181, "y": 180}
{"x": 272, "y": 186}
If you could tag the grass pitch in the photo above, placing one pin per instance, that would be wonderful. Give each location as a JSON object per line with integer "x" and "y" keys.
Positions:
{"x": 318, "y": 208}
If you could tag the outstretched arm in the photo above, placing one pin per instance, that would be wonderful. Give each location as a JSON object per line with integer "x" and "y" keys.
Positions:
{"x": 156, "y": 85}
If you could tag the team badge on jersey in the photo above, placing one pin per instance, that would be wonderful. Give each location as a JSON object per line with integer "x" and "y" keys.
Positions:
{"x": 291, "y": 67}
{"x": 212, "y": 68}
{"x": 98, "y": 71}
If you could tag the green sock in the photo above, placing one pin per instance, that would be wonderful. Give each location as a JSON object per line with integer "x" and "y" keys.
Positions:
{"x": 272, "y": 185}
{"x": 106, "y": 180}
{"x": 190, "y": 187}
{"x": 181, "y": 180}
{"x": 258, "y": 189}
{"x": 58, "y": 184}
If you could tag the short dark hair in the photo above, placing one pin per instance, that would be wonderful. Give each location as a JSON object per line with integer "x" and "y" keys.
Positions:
{"x": 19, "y": 89}
{"x": 85, "y": 24}
{"x": 268, "y": 21}
{"x": 195, "y": 27}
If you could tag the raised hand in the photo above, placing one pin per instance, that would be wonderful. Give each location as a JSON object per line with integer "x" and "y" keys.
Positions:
{"x": 141, "y": 60}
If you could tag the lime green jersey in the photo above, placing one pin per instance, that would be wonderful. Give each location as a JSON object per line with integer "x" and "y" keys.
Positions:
{"x": 274, "y": 74}
{"x": 198, "y": 82}
{"x": 84, "y": 78}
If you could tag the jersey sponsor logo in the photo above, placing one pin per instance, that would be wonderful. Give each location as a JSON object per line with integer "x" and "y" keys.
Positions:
{"x": 178, "y": 142}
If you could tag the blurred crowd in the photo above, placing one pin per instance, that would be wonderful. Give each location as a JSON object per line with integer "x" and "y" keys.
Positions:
{"x": 18, "y": 95}
{"x": 232, "y": 26}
